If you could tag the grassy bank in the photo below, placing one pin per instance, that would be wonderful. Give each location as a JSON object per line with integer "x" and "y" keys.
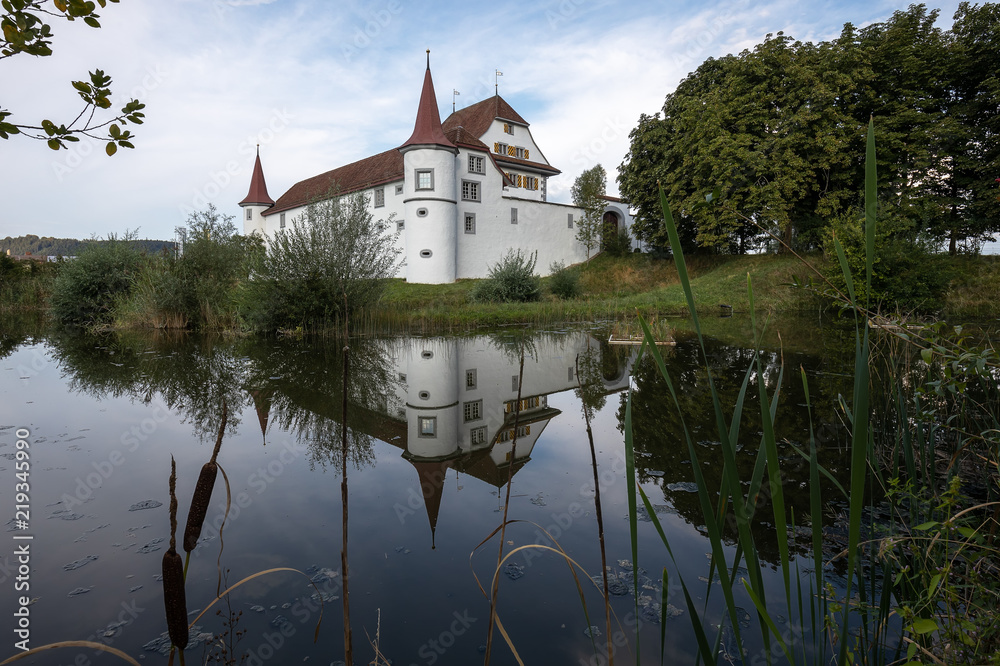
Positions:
{"x": 610, "y": 288}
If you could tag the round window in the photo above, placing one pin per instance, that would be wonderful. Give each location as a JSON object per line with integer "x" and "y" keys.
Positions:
{"x": 421, "y": 212}
{"x": 424, "y": 395}
{"x": 425, "y": 254}
{"x": 426, "y": 354}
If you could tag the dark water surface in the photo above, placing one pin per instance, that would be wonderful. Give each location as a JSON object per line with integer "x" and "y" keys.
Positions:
{"x": 430, "y": 424}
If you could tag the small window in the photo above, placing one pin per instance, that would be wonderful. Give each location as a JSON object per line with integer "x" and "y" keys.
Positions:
{"x": 402, "y": 376}
{"x": 379, "y": 197}
{"x": 513, "y": 383}
{"x": 519, "y": 152}
{"x": 477, "y": 164}
{"x": 472, "y": 411}
{"x": 425, "y": 254}
{"x": 508, "y": 128}
{"x": 513, "y": 216}
{"x": 425, "y": 179}
{"x": 400, "y": 225}
{"x": 421, "y": 212}
{"x": 569, "y": 373}
{"x": 426, "y": 354}
{"x": 281, "y": 221}
{"x": 249, "y": 213}
{"x": 569, "y": 220}
{"x": 428, "y": 426}
{"x": 470, "y": 379}
{"x": 470, "y": 223}
{"x": 530, "y": 183}
{"x": 501, "y": 148}
{"x": 470, "y": 190}
{"x": 424, "y": 395}
{"x": 399, "y": 189}
{"x": 477, "y": 435}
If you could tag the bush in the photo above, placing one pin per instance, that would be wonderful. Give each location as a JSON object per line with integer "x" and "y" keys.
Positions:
{"x": 618, "y": 244}
{"x": 906, "y": 275}
{"x": 334, "y": 256}
{"x": 512, "y": 279}
{"x": 564, "y": 282}
{"x": 86, "y": 289}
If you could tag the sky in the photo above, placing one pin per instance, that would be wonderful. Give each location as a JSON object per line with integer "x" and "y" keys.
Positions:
{"x": 321, "y": 84}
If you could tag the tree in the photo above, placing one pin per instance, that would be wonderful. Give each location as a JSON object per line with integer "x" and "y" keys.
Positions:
{"x": 335, "y": 255}
{"x": 588, "y": 193}
{"x": 26, "y": 32}
{"x": 778, "y": 130}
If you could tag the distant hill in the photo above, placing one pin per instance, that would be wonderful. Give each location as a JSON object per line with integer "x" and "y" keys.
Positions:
{"x": 68, "y": 247}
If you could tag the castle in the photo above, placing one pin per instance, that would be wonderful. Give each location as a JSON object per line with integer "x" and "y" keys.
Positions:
{"x": 460, "y": 193}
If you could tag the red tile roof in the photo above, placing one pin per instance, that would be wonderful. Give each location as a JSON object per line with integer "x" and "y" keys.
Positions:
{"x": 478, "y": 117}
{"x": 538, "y": 166}
{"x": 258, "y": 188}
{"x": 427, "y": 128}
{"x": 369, "y": 172}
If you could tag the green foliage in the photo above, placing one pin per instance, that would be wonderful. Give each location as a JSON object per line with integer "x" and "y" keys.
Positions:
{"x": 334, "y": 259}
{"x": 588, "y": 192}
{"x": 512, "y": 279}
{"x": 776, "y": 128}
{"x": 617, "y": 243}
{"x": 906, "y": 274}
{"x": 24, "y": 31}
{"x": 87, "y": 288}
{"x": 24, "y": 285}
{"x": 564, "y": 282}
{"x": 42, "y": 246}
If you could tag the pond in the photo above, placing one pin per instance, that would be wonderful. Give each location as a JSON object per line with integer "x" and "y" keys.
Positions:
{"x": 431, "y": 429}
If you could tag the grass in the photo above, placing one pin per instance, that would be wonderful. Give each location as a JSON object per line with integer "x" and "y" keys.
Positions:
{"x": 611, "y": 288}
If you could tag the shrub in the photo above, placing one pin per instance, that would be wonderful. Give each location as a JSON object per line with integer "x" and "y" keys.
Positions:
{"x": 564, "y": 282}
{"x": 906, "y": 273}
{"x": 510, "y": 279}
{"x": 336, "y": 255}
{"x": 618, "y": 244}
{"x": 86, "y": 289}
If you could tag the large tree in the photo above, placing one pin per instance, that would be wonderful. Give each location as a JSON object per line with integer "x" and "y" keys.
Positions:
{"x": 779, "y": 131}
{"x": 25, "y": 32}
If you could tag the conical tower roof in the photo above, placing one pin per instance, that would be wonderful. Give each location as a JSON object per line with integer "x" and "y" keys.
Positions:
{"x": 257, "y": 196}
{"x": 427, "y": 129}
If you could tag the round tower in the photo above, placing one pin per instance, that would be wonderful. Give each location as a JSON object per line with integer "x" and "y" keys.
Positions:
{"x": 431, "y": 202}
{"x": 256, "y": 202}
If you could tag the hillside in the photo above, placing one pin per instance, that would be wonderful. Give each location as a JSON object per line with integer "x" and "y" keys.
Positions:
{"x": 47, "y": 245}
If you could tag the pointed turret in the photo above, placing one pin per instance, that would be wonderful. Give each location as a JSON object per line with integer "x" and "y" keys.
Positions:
{"x": 427, "y": 129}
{"x": 256, "y": 201}
{"x": 257, "y": 196}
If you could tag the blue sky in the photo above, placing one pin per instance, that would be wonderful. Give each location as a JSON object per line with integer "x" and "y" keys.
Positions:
{"x": 321, "y": 84}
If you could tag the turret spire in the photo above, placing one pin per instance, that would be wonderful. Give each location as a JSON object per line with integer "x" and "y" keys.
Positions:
{"x": 257, "y": 196}
{"x": 427, "y": 129}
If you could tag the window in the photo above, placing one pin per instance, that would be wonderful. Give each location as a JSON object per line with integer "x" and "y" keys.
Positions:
{"x": 379, "y": 197}
{"x": 569, "y": 373}
{"x": 477, "y": 435}
{"x": 530, "y": 183}
{"x": 508, "y": 435}
{"x": 500, "y": 148}
{"x": 477, "y": 164}
{"x": 470, "y": 379}
{"x": 421, "y": 212}
{"x": 399, "y": 189}
{"x": 281, "y": 221}
{"x": 526, "y": 403}
{"x": 513, "y": 216}
{"x": 569, "y": 220}
{"x": 425, "y": 179}
{"x": 402, "y": 376}
{"x": 425, "y": 254}
{"x": 428, "y": 426}
{"x": 400, "y": 225}
{"x": 249, "y": 213}
{"x": 508, "y": 128}
{"x": 513, "y": 383}
{"x": 472, "y": 411}
{"x": 519, "y": 152}
{"x": 470, "y": 223}
{"x": 470, "y": 190}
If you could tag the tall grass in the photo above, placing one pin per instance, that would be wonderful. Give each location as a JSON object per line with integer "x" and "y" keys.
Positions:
{"x": 910, "y": 583}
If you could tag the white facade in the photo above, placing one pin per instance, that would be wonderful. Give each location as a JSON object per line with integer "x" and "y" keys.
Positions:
{"x": 460, "y": 195}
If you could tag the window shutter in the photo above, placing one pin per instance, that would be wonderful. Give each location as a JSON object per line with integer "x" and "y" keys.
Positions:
{"x": 511, "y": 151}
{"x": 496, "y": 146}
{"x": 526, "y": 153}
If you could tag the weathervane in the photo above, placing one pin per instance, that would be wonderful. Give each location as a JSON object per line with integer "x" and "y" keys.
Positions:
{"x": 454, "y": 94}
{"x": 496, "y": 84}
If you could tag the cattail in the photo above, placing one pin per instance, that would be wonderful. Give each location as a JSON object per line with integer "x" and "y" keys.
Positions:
{"x": 203, "y": 491}
{"x": 174, "y": 601}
